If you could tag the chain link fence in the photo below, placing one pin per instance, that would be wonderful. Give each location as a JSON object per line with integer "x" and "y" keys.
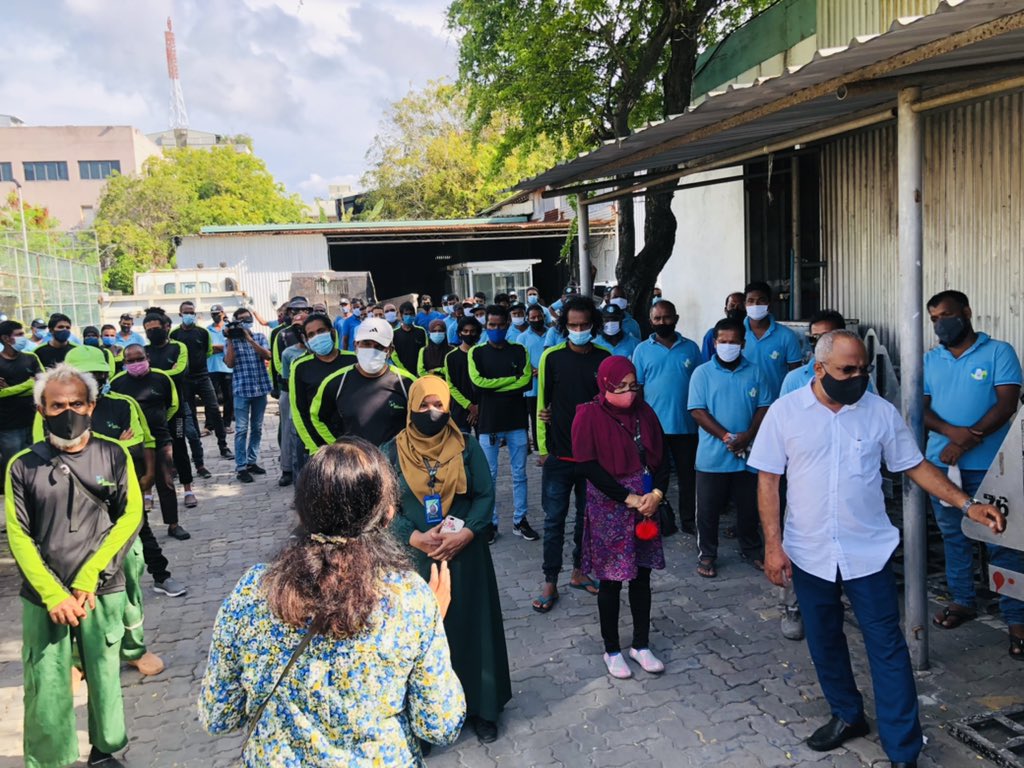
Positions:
{"x": 59, "y": 273}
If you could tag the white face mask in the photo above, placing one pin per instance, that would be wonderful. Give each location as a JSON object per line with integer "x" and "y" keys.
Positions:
{"x": 621, "y": 303}
{"x": 391, "y": 316}
{"x": 371, "y": 360}
{"x": 757, "y": 311}
{"x": 728, "y": 352}
{"x": 518, "y": 321}
{"x": 612, "y": 327}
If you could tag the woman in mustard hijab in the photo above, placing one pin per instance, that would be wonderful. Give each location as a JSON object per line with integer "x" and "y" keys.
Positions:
{"x": 446, "y": 498}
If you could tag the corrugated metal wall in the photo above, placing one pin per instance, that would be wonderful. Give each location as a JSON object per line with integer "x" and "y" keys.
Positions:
{"x": 839, "y": 21}
{"x": 265, "y": 262}
{"x": 973, "y": 218}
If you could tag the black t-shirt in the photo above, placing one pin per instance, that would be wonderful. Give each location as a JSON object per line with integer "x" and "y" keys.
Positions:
{"x": 197, "y": 342}
{"x": 408, "y": 345}
{"x": 50, "y": 356}
{"x": 570, "y": 378}
{"x": 501, "y": 411}
{"x": 165, "y": 358}
{"x": 18, "y": 411}
{"x": 154, "y": 393}
{"x": 307, "y": 374}
{"x": 373, "y": 409}
{"x": 456, "y": 366}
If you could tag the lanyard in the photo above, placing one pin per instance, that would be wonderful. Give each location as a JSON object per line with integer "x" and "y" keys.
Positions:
{"x": 637, "y": 438}
{"x": 431, "y": 472}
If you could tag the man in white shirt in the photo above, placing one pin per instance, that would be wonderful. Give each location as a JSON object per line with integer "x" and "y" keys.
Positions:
{"x": 830, "y": 439}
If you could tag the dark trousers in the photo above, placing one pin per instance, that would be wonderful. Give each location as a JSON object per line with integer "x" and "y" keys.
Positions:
{"x": 164, "y": 483}
{"x": 558, "y": 480}
{"x": 180, "y": 449}
{"x": 531, "y": 405}
{"x": 683, "y": 449}
{"x": 156, "y": 563}
{"x": 639, "y": 606}
{"x": 222, "y": 385}
{"x": 201, "y": 387}
{"x": 714, "y": 492}
{"x": 875, "y": 604}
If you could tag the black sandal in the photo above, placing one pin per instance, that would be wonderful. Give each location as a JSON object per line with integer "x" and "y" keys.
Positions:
{"x": 1016, "y": 647}
{"x": 952, "y": 617}
{"x": 706, "y": 568}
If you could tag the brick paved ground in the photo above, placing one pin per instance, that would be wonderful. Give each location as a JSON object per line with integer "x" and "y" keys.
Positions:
{"x": 735, "y": 695}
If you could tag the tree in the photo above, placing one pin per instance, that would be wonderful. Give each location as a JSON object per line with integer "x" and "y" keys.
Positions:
{"x": 177, "y": 194}
{"x": 426, "y": 162}
{"x": 587, "y": 72}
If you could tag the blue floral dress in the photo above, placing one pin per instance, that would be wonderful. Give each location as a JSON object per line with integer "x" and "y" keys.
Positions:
{"x": 361, "y": 701}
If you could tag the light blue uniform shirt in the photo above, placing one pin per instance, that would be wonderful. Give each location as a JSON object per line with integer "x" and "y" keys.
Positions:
{"x": 964, "y": 389}
{"x": 773, "y": 353}
{"x": 348, "y": 328}
{"x": 553, "y": 337}
{"x": 732, "y": 398}
{"x": 452, "y": 324}
{"x": 625, "y": 348}
{"x": 631, "y": 326}
{"x": 215, "y": 362}
{"x": 514, "y": 331}
{"x": 534, "y": 343}
{"x": 134, "y": 338}
{"x": 665, "y": 375}
{"x": 801, "y": 377}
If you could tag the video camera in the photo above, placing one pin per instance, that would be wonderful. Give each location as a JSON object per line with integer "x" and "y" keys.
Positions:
{"x": 234, "y": 330}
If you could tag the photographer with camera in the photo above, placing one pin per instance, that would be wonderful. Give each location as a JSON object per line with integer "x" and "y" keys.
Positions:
{"x": 247, "y": 354}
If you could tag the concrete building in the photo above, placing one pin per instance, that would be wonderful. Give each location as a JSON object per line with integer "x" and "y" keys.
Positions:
{"x": 200, "y": 140}
{"x": 64, "y": 167}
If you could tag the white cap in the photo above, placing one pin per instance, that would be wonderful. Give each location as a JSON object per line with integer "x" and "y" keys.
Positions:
{"x": 376, "y": 329}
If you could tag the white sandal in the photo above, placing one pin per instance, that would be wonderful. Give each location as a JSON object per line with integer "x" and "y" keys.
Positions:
{"x": 647, "y": 660}
{"x": 617, "y": 666}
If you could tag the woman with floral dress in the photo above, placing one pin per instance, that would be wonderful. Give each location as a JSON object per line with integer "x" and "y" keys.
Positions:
{"x": 617, "y": 443}
{"x": 334, "y": 653}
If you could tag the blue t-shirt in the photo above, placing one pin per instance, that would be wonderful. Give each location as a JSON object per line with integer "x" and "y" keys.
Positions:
{"x": 631, "y": 326}
{"x": 215, "y": 363}
{"x": 452, "y": 324}
{"x": 707, "y": 347}
{"x": 801, "y": 377}
{"x": 732, "y": 398}
{"x": 553, "y": 337}
{"x": 424, "y": 319}
{"x": 534, "y": 343}
{"x": 625, "y": 348}
{"x": 773, "y": 353}
{"x": 348, "y": 328}
{"x": 964, "y": 389}
{"x": 513, "y": 331}
{"x": 665, "y": 375}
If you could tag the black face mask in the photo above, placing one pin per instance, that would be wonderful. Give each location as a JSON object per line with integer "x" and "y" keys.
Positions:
{"x": 845, "y": 391}
{"x": 537, "y": 325}
{"x": 429, "y": 423}
{"x": 156, "y": 336}
{"x": 735, "y": 314}
{"x": 69, "y": 425}
{"x": 951, "y": 330}
{"x": 216, "y": 316}
{"x": 471, "y": 339}
{"x": 666, "y": 331}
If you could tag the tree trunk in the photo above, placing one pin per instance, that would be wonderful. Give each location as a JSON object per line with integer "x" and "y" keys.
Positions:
{"x": 638, "y": 274}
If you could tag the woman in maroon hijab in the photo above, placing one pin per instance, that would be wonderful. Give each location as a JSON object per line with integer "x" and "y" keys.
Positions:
{"x": 617, "y": 443}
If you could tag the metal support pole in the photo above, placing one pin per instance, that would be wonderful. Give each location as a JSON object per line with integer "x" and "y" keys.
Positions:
{"x": 795, "y": 279}
{"x": 583, "y": 222}
{"x": 24, "y": 242}
{"x": 911, "y": 253}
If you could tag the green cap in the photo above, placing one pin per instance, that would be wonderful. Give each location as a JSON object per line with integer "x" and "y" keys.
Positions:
{"x": 88, "y": 359}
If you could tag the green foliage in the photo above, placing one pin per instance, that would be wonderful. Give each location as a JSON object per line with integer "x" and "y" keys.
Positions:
{"x": 177, "y": 194}
{"x": 427, "y": 163}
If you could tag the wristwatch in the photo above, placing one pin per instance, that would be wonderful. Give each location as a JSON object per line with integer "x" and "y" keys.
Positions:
{"x": 969, "y": 503}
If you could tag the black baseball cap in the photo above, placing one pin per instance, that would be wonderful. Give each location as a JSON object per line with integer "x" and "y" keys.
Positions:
{"x": 216, "y": 308}
{"x": 128, "y": 316}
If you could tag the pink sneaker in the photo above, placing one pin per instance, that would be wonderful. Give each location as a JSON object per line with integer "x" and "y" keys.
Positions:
{"x": 647, "y": 660}
{"x": 617, "y": 666}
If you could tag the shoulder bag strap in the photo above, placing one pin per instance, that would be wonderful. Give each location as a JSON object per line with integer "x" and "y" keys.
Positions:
{"x": 288, "y": 668}
{"x": 43, "y": 450}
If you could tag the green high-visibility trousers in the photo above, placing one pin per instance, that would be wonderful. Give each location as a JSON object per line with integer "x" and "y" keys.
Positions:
{"x": 133, "y": 646}
{"x": 50, "y": 740}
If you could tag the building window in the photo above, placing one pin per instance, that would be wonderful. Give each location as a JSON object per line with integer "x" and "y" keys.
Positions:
{"x": 54, "y": 171}
{"x": 98, "y": 169}
{"x": 6, "y": 174}
{"x": 88, "y": 215}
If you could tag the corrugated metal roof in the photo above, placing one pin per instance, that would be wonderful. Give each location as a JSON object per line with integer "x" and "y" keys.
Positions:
{"x": 336, "y": 227}
{"x": 804, "y": 97}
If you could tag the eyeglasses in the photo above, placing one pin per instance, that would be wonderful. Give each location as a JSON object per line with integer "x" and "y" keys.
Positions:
{"x": 854, "y": 370}
{"x": 812, "y": 339}
{"x": 623, "y": 388}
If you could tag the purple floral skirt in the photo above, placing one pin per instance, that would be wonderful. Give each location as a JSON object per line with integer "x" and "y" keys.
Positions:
{"x": 611, "y": 550}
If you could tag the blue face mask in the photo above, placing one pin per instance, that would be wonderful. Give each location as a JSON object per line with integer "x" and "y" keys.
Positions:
{"x": 407, "y": 319}
{"x": 108, "y": 341}
{"x": 61, "y": 337}
{"x": 580, "y": 338}
{"x": 247, "y": 326}
{"x": 532, "y": 299}
{"x": 496, "y": 335}
{"x": 92, "y": 341}
{"x": 321, "y": 344}
{"x": 188, "y": 319}
{"x": 20, "y": 343}
{"x": 438, "y": 337}
{"x": 447, "y": 308}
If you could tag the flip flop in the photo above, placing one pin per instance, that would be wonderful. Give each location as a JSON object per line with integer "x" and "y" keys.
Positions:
{"x": 544, "y": 604}
{"x": 952, "y": 617}
{"x": 590, "y": 586}
{"x": 706, "y": 568}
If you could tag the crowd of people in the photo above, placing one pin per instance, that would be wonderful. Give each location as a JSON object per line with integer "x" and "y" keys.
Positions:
{"x": 377, "y": 631}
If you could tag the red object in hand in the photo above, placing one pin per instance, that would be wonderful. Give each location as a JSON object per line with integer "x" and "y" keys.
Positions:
{"x": 646, "y": 530}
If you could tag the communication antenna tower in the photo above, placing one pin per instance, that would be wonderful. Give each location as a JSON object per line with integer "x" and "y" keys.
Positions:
{"x": 179, "y": 116}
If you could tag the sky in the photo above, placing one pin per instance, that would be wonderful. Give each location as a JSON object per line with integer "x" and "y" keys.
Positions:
{"x": 308, "y": 79}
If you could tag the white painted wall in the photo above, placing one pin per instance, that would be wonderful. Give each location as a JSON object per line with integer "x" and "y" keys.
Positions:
{"x": 709, "y": 258}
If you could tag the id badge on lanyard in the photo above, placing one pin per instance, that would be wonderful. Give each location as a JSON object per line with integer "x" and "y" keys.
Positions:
{"x": 432, "y": 503}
